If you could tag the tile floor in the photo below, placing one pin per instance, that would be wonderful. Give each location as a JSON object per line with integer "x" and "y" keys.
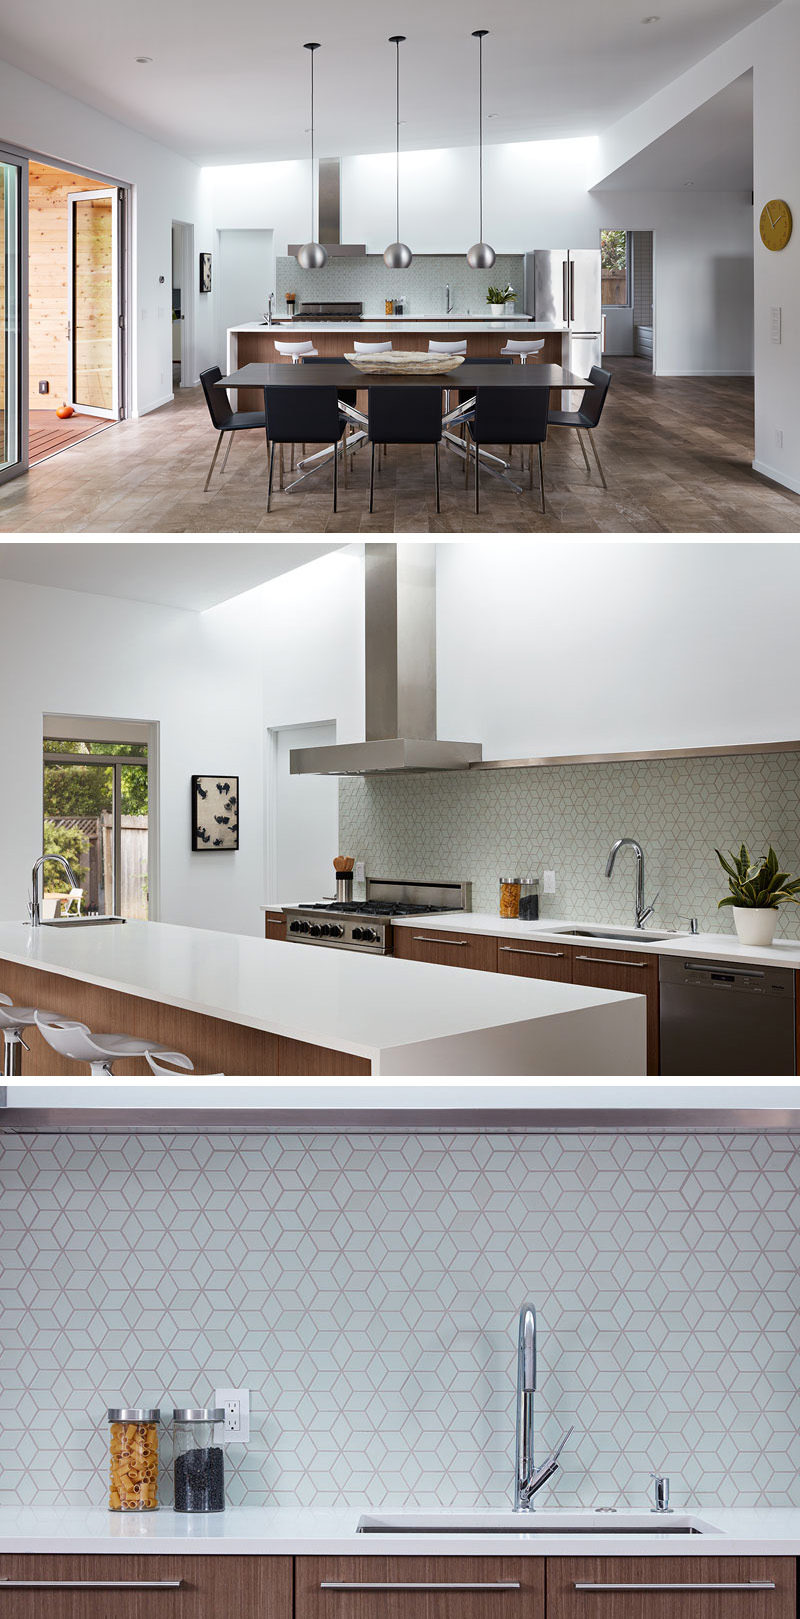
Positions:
{"x": 677, "y": 454}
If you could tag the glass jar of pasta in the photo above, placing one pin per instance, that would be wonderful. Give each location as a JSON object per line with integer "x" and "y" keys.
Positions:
{"x": 133, "y": 1455}
{"x": 509, "y": 897}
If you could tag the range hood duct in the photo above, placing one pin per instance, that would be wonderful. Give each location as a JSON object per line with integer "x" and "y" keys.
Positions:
{"x": 330, "y": 213}
{"x": 400, "y": 662}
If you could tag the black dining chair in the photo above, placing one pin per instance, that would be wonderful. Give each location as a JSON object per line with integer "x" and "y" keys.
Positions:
{"x": 509, "y": 416}
{"x": 224, "y": 418}
{"x": 404, "y": 416}
{"x": 463, "y": 394}
{"x": 297, "y": 415}
{"x": 347, "y": 395}
{"x": 588, "y": 416}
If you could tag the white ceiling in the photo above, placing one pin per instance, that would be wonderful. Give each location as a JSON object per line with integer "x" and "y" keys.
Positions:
{"x": 194, "y": 575}
{"x": 231, "y": 84}
{"x": 711, "y": 150}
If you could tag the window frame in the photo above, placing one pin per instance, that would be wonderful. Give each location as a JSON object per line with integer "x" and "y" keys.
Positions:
{"x": 117, "y": 762}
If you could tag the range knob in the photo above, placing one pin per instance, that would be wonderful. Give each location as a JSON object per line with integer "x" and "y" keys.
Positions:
{"x": 358, "y": 933}
{"x": 294, "y": 927}
{"x": 302, "y": 927}
{"x": 370, "y": 936}
{"x": 326, "y": 930}
{"x": 314, "y": 929}
{"x": 335, "y": 930}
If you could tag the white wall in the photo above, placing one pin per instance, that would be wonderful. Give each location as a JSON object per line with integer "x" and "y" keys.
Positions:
{"x": 245, "y": 278}
{"x": 36, "y": 117}
{"x": 68, "y": 653}
{"x": 580, "y": 648}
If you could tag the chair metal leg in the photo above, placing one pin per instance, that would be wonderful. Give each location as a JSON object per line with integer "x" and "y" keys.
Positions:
{"x": 597, "y": 459}
{"x": 530, "y": 466}
{"x": 213, "y": 462}
{"x": 541, "y": 478}
{"x": 280, "y": 466}
{"x": 336, "y": 477}
{"x": 583, "y": 449}
{"x": 477, "y": 478}
{"x": 466, "y": 454}
{"x": 271, "y": 470}
{"x": 227, "y": 453}
{"x": 372, "y": 479}
{"x": 436, "y": 476}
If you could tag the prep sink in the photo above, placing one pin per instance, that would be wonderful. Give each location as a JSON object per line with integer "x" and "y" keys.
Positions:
{"x": 632, "y": 936}
{"x": 79, "y": 921}
{"x": 608, "y": 1522}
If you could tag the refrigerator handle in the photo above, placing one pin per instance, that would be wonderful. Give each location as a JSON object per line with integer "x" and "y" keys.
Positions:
{"x": 571, "y": 291}
{"x": 564, "y": 294}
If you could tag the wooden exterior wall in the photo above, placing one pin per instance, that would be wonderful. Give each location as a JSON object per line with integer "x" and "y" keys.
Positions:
{"x": 48, "y": 280}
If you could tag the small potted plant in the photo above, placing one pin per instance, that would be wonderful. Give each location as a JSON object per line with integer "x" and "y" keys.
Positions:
{"x": 757, "y": 888}
{"x": 498, "y": 297}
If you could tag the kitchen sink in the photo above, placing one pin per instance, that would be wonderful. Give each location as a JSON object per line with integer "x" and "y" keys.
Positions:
{"x": 80, "y": 921}
{"x": 603, "y": 1522}
{"x": 632, "y": 936}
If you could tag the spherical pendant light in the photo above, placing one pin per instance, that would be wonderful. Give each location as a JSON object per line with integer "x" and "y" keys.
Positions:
{"x": 312, "y": 255}
{"x": 480, "y": 256}
{"x": 397, "y": 255}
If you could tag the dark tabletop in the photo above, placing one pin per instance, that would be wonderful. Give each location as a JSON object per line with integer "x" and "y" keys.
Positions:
{"x": 264, "y": 374}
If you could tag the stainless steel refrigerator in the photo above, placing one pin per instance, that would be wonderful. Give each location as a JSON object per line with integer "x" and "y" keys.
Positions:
{"x": 563, "y": 285}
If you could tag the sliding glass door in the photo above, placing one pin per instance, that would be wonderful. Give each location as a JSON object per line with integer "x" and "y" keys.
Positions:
{"x": 13, "y": 292}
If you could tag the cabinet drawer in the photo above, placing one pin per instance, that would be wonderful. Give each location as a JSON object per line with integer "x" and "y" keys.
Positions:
{"x": 671, "y": 1588}
{"x": 532, "y": 960}
{"x": 114, "y": 1587}
{"x": 446, "y": 949}
{"x": 606, "y": 967}
{"x": 419, "y": 1588}
{"x": 274, "y": 925}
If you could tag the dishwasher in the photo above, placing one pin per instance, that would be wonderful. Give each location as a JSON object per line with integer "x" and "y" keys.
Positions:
{"x": 717, "y": 1018}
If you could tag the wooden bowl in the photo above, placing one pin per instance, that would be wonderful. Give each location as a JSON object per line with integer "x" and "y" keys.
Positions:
{"x": 411, "y": 361}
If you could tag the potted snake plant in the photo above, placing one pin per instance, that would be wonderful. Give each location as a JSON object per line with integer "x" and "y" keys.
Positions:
{"x": 498, "y": 297}
{"x": 757, "y": 888}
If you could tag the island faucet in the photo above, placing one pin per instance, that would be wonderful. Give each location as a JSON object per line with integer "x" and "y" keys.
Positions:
{"x": 643, "y": 912}
{"x": 34, "y": 910}
{"x": 528, "y": 1479}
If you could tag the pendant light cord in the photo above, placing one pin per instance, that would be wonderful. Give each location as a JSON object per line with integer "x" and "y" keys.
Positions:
{"x": 479, "y": 35}
{"x": 397, "y": 40}
{"x": 311, "y": 48}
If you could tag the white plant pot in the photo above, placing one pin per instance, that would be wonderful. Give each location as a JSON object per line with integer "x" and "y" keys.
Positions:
{"x": 495, "y": 311}
{"x": 755, "y": 924}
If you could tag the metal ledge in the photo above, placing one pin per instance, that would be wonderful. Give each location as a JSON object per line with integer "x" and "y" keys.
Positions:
{"x": 641, "y": 756}
{"x": 407, "y": 1121}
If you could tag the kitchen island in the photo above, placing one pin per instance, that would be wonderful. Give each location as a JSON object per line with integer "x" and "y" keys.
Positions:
{"x": 243, "y": 1006}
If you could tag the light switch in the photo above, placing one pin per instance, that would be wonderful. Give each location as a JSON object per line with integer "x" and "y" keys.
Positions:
{"x": 775, "y": 323}
{"x": 548, "y": 882}
{"x": 360, "y": 872}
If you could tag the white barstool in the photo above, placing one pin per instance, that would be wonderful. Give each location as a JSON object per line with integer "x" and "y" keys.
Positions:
{"x": 13, "y": 1019}
{"x": 76, "y": 1041}
{"x": 521, "y": 350}
{"x": 296, "y": 352}
{"x": 175, "y": 1059}
{"x": 372, "y": 348}
{"x": 457, "y": 346}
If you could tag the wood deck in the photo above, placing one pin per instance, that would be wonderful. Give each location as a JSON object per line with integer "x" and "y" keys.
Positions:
{"x": 48, "y": 434}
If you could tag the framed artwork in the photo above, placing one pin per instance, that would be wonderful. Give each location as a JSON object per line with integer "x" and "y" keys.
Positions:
{"x": 215, "y": 813}
{"x": 205, "y": 272}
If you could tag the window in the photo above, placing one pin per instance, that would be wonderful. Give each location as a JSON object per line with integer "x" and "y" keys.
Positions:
{"x": 615, "y": 263}
{"x": 95, "y": 801}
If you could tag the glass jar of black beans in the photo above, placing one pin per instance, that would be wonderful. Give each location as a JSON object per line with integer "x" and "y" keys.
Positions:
{"x": 528, "y": 899}
{"x": 198, "y": 1464}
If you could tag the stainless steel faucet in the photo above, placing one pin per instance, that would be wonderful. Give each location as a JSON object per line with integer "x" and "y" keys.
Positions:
{"x": 270, "y": 308}
{"x": 447, "y": 299}
{"x": 34, "y": 910}
{"x": 528, "y": 1479}
{"x": 643, "y": 912}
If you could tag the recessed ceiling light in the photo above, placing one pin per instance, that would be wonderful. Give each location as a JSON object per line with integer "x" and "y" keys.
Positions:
{"x": 144, "y": 58}
{"x": 651, "y": 19}
{"x": 688, "y": 184}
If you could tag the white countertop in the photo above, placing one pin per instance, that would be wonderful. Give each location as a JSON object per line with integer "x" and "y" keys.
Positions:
{"x": 385, "y": 1010}
{"x": 390, "y": 324}
{"x": 705, "y": 946}
{"x": 753, "y": 1531}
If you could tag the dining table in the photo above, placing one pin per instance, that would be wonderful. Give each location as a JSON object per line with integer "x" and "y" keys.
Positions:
{"x": 344, "y": 376}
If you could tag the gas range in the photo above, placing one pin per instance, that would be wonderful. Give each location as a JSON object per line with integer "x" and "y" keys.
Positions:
{"x": 366, "y": 924}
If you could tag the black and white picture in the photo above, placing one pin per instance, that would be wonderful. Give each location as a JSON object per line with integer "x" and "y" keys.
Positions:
{"x": 215, "y": 812}
{"x": 205, "y": 272}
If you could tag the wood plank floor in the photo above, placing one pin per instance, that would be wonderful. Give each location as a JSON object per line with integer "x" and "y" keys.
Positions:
{"x": 49, "y": 434}
{"x": 676, "y": 451}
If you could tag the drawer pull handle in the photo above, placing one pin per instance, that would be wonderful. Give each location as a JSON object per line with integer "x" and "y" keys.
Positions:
{"x": 422, "y": 1585}
{"x": 90, "y": 1585}
{"x": 515, "y": 950}
{"x": 422, "y": 938}
{"x": 698, "y": 1585}
{"x": 608, "y": 961}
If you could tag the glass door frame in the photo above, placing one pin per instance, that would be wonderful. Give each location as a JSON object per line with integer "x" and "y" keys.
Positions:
{"x": 73, "y": 198}
{"x": 117, "y": 761}
{"x": 18, "y": 161}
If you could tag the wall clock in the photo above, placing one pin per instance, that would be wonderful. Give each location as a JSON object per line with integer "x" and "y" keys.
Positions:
{"x": 775, "y": 224}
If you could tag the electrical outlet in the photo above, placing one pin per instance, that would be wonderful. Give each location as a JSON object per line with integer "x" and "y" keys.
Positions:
{"x": 236, "y": 1427}
{"x": 44, "y": 387}
{"x": 548, "y": 882}
{"x": 360, "y": 872}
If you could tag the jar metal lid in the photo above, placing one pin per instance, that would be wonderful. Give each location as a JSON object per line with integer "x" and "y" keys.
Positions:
{"x": 531, "y": 882}
{"x": 129, "y": 1413}
{"x": 510, "y": 879}
{"x": 189, "y": 1413}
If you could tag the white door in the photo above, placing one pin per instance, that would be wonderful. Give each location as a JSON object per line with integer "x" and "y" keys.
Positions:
{"x": 303, "y": 819}
{"x": 94, "y": 302}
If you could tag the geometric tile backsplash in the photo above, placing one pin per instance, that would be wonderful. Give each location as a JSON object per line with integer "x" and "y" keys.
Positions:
{"x": 367, "y": 280}
{"x": 473, "y": 825}
{"x": 366, "y": 1290}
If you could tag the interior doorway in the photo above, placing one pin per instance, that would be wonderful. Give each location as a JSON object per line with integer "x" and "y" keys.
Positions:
{"x": 183, "y": 362}
{"x": 76, "y": 307}
{"x": 628, "y": 294}
{"x": 302, "y": 818}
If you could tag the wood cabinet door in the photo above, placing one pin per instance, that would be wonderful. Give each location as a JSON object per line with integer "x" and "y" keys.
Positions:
{"x": 533, "y": 960}
{"x": 670, "y": 1588}
{"x": 606, "y": 967}
{"x": 122, "y": 1587}
{"x": 446, "y": 949}
{"x": 274, "y": 925}
{"x": 419, "y": 1588}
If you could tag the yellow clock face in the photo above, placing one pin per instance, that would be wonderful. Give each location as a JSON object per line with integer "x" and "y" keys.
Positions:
{"x": 776, "y": 225}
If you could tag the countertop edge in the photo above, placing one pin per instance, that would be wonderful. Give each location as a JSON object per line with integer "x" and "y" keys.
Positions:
{"x": 299, "y": 1545}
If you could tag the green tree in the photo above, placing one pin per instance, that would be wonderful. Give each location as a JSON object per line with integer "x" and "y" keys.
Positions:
{"x": 613, "y": 251}
{"x": 74, "y": 847}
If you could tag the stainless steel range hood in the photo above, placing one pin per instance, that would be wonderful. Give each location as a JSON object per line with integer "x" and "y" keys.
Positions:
{"x": 330, "y": 214}
{"x": 400, "y": 659}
